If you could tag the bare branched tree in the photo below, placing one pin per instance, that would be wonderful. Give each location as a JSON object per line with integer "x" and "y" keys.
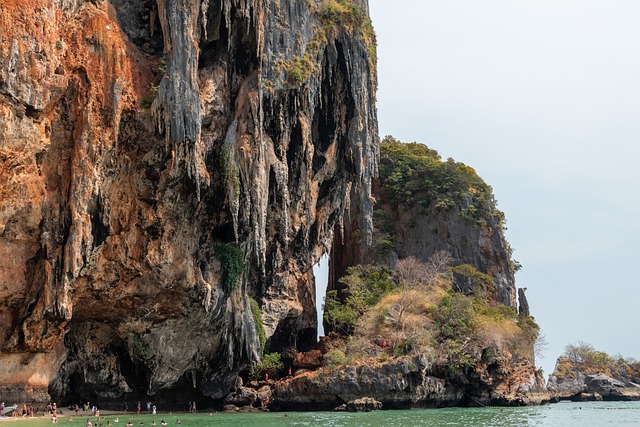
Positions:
{"x": 414, "y": 276}
{"x": 578, "y": 352}
{"x": 438, "y": 264}
{"x": 411, "y": 272}
{"x": 540, "y": 346}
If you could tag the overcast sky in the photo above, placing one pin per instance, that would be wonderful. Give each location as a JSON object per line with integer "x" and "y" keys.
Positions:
{"x": 542, "y": 98}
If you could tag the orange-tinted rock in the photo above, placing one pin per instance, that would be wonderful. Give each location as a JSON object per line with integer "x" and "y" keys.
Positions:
{"x": 308, "y": 360}
{"x": 135, "y": 137}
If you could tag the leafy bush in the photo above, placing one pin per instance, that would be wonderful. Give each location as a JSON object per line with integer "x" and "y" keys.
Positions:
{"x": 364, "y": 285}
{"x": 270, "y": 364}
{"x": 340, "y": 316}
{"x": 459, "y": 360}
{"x": 232, "y": 264}
{"x": 453, "y": 317}
{"x": 139, "y": 349}
{"x": 529, "y": 326}
{"x": 382, "y": 222}
{"x": 299, "y": 69}
{"x": 382, "y": 247}
{"x": 476, "y": 277}
{"x": 335, "y": 358}
{"x": 271, "y": 361}
{"x": 402, "y": 348}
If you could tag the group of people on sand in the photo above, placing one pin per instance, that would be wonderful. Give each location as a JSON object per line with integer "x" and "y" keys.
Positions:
{"x": 16, "y": 410}
{"x": 54, "y": 412}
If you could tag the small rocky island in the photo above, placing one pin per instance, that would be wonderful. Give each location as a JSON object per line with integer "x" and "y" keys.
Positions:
{"x": 585, "y": 374}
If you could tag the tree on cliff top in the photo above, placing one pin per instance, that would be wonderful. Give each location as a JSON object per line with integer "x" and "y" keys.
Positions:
{"x": 412, "y": 174}
{"x": 585, "y": 353}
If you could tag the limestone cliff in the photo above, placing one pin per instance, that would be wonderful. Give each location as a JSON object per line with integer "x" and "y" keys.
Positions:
{"x": 480, "y": 355}
{"x": 161, "y": 163}
{"x": 425, "y": 205}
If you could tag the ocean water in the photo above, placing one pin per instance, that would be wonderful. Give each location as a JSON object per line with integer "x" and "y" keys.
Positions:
{"x": 556, "y": 415}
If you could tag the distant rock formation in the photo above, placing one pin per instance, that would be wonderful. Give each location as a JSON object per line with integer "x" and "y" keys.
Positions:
{"x": 581, "y": 381}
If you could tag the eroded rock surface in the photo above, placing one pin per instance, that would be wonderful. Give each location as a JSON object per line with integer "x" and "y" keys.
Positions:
{"x": 413, "y": 382}
{"x": 135, "y": 139}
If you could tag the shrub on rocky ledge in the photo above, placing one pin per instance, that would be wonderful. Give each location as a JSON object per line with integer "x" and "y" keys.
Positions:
{"x": 423, "y": 314}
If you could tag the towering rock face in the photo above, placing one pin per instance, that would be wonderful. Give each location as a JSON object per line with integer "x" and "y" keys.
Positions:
{"x": 161, "y": 163}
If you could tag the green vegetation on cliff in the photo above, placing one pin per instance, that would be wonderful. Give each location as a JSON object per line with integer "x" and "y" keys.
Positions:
{"x": 257, "y": 320}
{"x": 364, "y": 285}
{"x": 271, "y": 364}
{"x": 475, "y": 280}
{"x": 414, "y": 175}
{"x": 416, "y": 310}
{"x": 232, "y": 264}
{"x": 425, "y": 204}
{"x": 335, "y": 15}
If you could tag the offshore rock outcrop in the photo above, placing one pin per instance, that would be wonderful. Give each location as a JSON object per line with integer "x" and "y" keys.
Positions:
{"x": 580, "y": 381}
{"x": 143, "y": 144}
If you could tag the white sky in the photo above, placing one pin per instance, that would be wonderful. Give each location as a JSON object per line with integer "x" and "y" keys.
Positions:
{"x": 542, "y": 98}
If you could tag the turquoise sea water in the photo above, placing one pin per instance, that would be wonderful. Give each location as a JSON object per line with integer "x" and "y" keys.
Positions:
{"x": 557, "y": 415}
